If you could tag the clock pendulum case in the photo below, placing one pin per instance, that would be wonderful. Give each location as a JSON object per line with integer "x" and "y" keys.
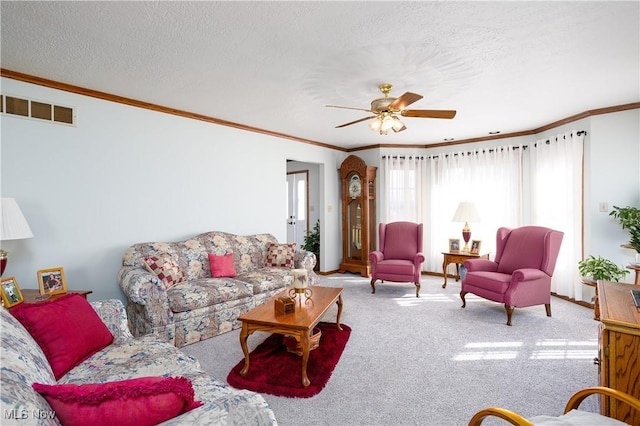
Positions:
{"x": 358, "y": 215}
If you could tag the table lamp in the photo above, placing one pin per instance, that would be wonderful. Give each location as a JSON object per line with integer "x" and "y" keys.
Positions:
{"x": 12, "y": 227}
{"x": 466, "y": 213}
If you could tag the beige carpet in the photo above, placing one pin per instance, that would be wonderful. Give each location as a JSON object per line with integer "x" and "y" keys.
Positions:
{"x": 426, "y": 361}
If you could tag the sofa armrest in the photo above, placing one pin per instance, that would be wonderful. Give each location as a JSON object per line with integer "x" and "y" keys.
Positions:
{"x": 307, "y": 260}
{"x": 136, "y": 283}
{"x": 114, "y": 315}
{"x": 148, "y": 309}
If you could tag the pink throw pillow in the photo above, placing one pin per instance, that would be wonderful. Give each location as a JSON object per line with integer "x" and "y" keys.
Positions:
{"x": 281, "y": 255}
{"x": 136, "y": 402}
{"x": 67, "y": 329}
{"x": 222, "y": 266}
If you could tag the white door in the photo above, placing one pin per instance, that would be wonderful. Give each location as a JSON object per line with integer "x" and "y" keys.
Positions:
{"x": 297, "y": 207}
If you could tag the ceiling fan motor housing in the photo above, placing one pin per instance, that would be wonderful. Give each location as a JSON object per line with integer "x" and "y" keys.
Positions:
{"x": 381, "y": 104}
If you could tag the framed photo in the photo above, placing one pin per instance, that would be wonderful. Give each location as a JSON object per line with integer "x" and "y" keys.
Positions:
{"x": 475, "y": 246}
{"x": 10, "y": 292}
{"x": 454, "y": 245}
{"x": 52, "y": 281}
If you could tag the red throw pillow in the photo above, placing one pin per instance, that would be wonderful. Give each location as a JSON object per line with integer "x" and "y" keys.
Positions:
{"x": 67, "y": 329}
{"x": 222, "y": 266}
{"x": 136, "y": 402}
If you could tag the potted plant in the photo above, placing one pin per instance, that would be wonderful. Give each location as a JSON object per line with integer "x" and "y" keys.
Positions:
{"x": 600, "y": 269}
{"x": 629, "y": 218}
{"x": 312, "y": 243}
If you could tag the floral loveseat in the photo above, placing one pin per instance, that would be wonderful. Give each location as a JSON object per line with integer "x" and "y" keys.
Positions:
{"x": 24, "y": 363}
{"x": 171, "y": 291}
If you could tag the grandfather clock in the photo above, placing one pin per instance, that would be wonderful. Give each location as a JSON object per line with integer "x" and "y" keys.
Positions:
{"x": 358, "y": 215}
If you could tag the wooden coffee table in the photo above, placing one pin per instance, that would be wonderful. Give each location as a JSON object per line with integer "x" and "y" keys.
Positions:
{"x": 298, "y": 324}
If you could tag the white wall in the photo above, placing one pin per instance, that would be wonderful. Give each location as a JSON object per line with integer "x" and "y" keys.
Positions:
{"x": 612, "y": 176}
{"x": 125, "y": 175}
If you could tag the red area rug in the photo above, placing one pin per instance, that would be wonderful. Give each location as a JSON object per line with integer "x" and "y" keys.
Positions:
{"x": 275, "y": 371}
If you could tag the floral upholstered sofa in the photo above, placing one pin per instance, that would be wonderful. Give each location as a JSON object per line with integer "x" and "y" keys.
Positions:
{"x": 24, "y": 364}
{"x": 172, "y": 291}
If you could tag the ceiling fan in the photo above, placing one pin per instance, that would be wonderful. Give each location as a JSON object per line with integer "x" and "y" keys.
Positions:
{"x": 385, "y": 111}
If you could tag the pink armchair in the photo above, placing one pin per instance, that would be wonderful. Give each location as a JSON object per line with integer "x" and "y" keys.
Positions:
{"x": 521, "y": 274}
{"x": 400, "y": 254}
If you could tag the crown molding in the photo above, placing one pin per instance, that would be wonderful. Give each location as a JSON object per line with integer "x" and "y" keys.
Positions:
{"x": 27, "y": 78}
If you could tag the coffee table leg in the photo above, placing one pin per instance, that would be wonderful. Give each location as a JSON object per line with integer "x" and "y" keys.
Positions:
{"x": 304, "y": 341}
{"x": 339, "y": 302}
{"x": 243, "y": 342}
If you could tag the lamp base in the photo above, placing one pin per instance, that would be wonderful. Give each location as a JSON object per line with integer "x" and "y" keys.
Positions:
{"x": 466, "y": 236}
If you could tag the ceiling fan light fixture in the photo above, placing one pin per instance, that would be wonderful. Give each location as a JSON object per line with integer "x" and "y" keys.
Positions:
{"x": 375, "y": 124}
{"x": 387, "y": 123}
{"x": 397, "y": 124}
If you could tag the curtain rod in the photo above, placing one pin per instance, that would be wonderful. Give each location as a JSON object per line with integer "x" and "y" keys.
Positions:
{"x": 455, "y": 154}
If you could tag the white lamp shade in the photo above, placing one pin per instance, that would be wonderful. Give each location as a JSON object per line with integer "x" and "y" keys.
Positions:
{"x": 14, "y": 226}
{"x": 466, "y": 212}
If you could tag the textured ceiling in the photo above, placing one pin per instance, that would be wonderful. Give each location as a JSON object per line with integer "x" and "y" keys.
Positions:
{"x": 504, "y": 66}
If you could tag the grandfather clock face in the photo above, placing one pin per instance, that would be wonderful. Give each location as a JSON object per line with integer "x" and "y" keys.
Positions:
{"x": 355, "y": 185}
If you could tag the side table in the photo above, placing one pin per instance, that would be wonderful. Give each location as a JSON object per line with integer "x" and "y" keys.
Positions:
{"x": 596, "y": 305}
{"x": 458, "y": 259}
{"x": 637, "y": 269}
{"x": 34, "y": 296}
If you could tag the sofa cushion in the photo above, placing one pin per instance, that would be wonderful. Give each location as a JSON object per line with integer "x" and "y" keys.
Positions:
{"x": 166, "y": 269}
{"x": 195, "y": 294}
{"x": 280, "y": 255}
{"x": 137, "y": 402}
{"x": 222, "y": 266}
{"x": 268, "y": 279}
{"x": 140, "y": 357}
{"x": 67, "y": 329}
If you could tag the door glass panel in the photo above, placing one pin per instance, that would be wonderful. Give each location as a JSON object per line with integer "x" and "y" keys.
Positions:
{"x": 302, "y": 200}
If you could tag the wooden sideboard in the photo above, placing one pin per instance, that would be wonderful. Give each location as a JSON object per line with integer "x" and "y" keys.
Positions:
{"x": 619, "y": 348}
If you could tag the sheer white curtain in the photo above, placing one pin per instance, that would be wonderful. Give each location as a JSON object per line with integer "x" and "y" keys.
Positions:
{"x": 556, "y": 202}
{"x": 404, "y": 189}
{"x": 490, "y": 178}
{"x": 540, "y": 184}
{"x": 405, "y": 180}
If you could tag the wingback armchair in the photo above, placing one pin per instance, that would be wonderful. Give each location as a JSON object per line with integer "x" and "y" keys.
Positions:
{"x": 520, "y": 275}
{"x": 399, "y": 257}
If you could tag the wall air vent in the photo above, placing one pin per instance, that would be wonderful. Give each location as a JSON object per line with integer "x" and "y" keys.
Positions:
{"x": 12, "y": 105}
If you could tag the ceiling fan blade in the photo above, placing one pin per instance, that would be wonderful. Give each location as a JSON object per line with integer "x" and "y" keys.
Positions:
{"x": 403, "y": 128}
{"x": 354, "y": 122}
{"x": 428, "y": 113}
{"x": 344, "y": 107}
{"x": 403, "y": 101}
